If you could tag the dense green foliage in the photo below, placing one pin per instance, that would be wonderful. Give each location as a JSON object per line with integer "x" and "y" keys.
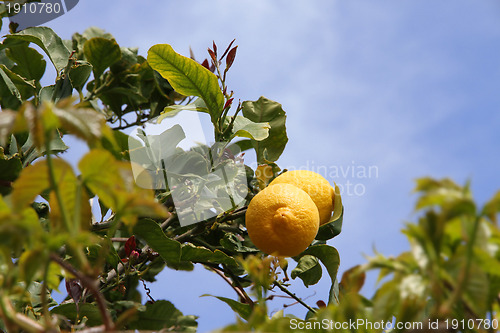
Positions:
{"x": 49, "y": 230}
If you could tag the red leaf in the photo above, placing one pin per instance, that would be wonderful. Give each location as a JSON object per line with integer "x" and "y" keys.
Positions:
{"x": 130, "y": 245}
{"x": 321, "y": 304}
{"x": 228, "y": 103}
{"x": 205, "y": 64}
{"x": 215, "y": 48}
{"x": 74, "y": 289}
{"x": 228, "y": 48}
{"x": 230, "y": 57}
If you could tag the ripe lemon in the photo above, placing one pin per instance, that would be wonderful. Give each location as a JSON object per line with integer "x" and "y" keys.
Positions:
{"x": 282, "y": 220}
{"x": 318, "y": 188}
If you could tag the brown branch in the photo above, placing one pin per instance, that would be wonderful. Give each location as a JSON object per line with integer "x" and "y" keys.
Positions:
{"x": 90, "y": 285}
{"x": 241, "y": 293}
{"x": 292, "y": 295}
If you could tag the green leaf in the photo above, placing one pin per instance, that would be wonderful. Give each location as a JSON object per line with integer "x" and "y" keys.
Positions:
{"x": 172, "y": 110}
{"x": 329, "y": 256}
{"x": 101, "y": 53}
{"x": 49, "y": 42}
{"x": 158, "y": 315}
{"x": 308, "y": 270}
{"x": 492, "y": 207}
{"x": 31, "y": 153}
{"x": 244, "y": 127}
{"x": 113, "y": 182}
{"x": 266, "y": 111}
{"x": 203, "y": 255}
{"x": 30, "y": 63}
{"x": 244, "y": 310}
{"x": 9, "y": 84}
{"x": 73, "y": 313}
{"x": 188, "y": 77}
{"x": 79, "y": 74}
{"x": 33, "y": 180}
{"x": 10, "y": 167}
{"x": 151, "y": 233}
{"x": 30, "y": 263}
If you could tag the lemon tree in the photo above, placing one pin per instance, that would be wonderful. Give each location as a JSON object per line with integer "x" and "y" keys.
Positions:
{"x": 104, "y": 227}
{"x": 92, "y": 226}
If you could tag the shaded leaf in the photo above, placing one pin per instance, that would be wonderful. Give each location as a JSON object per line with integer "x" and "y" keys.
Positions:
{"x": 203, "y": 255}
{"x": 157, "y": 315}
{"x": 308, "y": 270}
{"x": 151, "y": 233}
{"x": 331, "y": 229}
{"x": 48, "y": 41}
{"x": 30, "y": 63}
{"x": 71, "y": 312}
{"x": 79, "y": 74}
{"x": 101, "y": 53}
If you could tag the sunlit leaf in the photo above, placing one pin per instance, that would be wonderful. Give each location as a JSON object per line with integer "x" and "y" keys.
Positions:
{"x": 244, "y": 127}
{"x": 187, "y": 77}
{"x": 9, "y": 84}
{"x": 113, "y": 182}
{"x": 266, "y": 111}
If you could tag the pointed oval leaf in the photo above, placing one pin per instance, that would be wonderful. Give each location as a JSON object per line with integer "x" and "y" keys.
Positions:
{"x": 79, "y": 74}
{"x": 308, "y": 270}
{"x": 30, "y": 63}
{"x": 187, "y": 77}
{"x": 244, "y": 310}
{"x": 168, "y": 249}
{"x": 49, "y": 42}
{"x": 265, "y": 110}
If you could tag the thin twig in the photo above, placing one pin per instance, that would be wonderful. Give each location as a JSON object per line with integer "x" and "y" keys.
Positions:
{"x": 241, "y": 293}
{"x": 286, "y": 291}
{"x": 168, "y": 221}
{"x": 89, "y": 284}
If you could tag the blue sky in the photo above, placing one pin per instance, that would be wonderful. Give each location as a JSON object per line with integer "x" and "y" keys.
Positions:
{"x": 407, "y": 87}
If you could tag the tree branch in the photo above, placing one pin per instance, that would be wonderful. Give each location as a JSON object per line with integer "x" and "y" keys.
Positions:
{"x": 90, "y": 285}
{"x": 292, "y": 295}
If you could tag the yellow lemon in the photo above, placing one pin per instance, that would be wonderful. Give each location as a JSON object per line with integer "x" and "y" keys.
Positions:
{"x": 282, "y": 220}
{"x": 318, "y": 188}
